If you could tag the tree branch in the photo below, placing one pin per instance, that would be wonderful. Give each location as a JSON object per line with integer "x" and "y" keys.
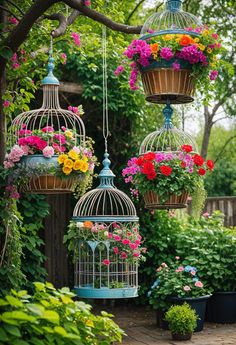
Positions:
{"x": 16, "y": 6}
{"x": 223, "y": 148}
{"x": 134, "y": 10}
{"x": 63, "y": 22}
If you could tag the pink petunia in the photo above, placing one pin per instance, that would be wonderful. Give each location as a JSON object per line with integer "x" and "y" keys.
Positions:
{"x": 186, "y": 288}
{"x": 198, "y": 284}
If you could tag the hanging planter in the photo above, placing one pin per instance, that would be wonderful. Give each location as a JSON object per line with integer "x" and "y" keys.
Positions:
{"x": 165, "y": 179}
{"x": 174, "y": 55}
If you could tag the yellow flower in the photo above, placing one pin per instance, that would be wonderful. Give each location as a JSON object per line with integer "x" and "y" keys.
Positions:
{"x": 205, "y": 32}
{"x": 62, "y": 158}
{"x": 209, "y": 50}
{"x": 72, "y": 154}
{"x": 77, "y": 164}
{"x": 168, "y": 37}
{"x": 66, "y": 170}
{"x": 68, "y": 163}
{"x": 201, "y": 46}
{"x": 85, "y": 158}
{"x": 84, "y": 167}
{"x": 68, "y": 134}
{"x": 196, "y": 40}
{"x": 89, "y": 323}
{"x": 213, "y": 64}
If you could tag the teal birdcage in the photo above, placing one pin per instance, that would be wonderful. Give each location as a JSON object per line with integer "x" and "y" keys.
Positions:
{"x": 109, "y": 245}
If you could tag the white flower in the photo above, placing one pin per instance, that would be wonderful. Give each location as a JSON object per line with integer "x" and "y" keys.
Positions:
{"x": 80, "y": 224}
{"x": 106, "y": 233}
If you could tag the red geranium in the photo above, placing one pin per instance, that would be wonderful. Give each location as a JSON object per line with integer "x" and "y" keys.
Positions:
{"x": 183, "y": 165}
{"x": 148, "y": 168}
{"x": 210, "y": 164}
{"x": 140, "y": 161}
{"x": 201, "y": 171}
{"x": 149, "y": 156}
{"x": 187, "y": 148}
{"x": 151, "y": 175}
{"x": 165, "y": 170}
{"x": 198, "y": 160}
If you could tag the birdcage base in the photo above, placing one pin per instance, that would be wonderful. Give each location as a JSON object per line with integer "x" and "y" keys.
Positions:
{"x": 106, "y": 293}
{"x": 151, "y": 200}
{"x": 49, "y": 184}
{"x": 162, "y": 85}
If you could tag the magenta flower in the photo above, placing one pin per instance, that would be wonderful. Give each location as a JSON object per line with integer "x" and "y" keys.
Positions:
{"x": 87, "y": 2}
{"x": 213, "y": 75}
{"x": 76, "y": 38}
{"x": 6, "y": 104}
{"x": 116, "y": 250}
{"x": 166, "y": 53}
{"x": 47, "y": 129}
{"x": 125, "y": 241}
{"x": 13, "y": 20}
{"x": 123, "y": 255}
{"x": 106, "y": 262}
{"x": 64, "y": 58}
{"x": 215, "y": 36}
{"x": 119, "y": 70}
{"x": 15, "y": 65}
{"x": 176, "y": 66}
{"x": 117, "y": 238}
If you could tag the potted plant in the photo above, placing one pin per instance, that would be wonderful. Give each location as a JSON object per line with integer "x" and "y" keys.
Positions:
{"x": 173, "y": 65}
{"x": 182, "y": 321}
{"x": 166, "y": 179}
{"x": 177, "y": 284}
{"x": 48, "y": 161}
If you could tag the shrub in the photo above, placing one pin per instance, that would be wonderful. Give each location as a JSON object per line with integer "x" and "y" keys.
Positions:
{"x": 182, "y": 319}
{"x": 50, "y": 317}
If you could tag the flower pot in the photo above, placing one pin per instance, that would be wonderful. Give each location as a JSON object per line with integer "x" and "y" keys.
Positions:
{"x": 181, "y": 337}
{"x": 45, "y": 183}
{"x": 160, "y": 318}
{"x": 221, "y": 307}
{"x": 162, "y": 83}
{"x": 198, "y": 304}
{"x": 151, "y": 200}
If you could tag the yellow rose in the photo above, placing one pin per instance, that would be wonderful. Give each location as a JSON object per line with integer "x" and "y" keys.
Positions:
{"x": 68, "y": 134}
{"x": 168, "y": 37}
{"x": 205, "y": 32}
{"x": 85, "y": 158}
{"x": 72, "y": 154}
{"x": 209, "y": 50}
{"x": 77, "y": 164}
{"x": 66, "y": 170}
{"x": 62, "y": 158}
{"x": 68, "y": 163}
{"x": 84, "y": 167}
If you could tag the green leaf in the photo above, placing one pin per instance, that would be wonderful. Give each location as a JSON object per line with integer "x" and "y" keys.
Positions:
{"x": 3, "y": 335}
{"x": 14, "y": 301}
{"x": 17, "y": 315}
{"x": 51, "y": 316}
{"x": 13, "y": 330}
{"x": 60, "y": 330}
{"x": 6, "y": 52}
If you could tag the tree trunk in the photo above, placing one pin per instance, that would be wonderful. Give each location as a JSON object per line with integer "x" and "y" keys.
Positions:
{"x": 207, "y": 132}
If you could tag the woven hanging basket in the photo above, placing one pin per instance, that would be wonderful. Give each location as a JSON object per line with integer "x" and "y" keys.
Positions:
{"x": 166, "y": 84}
{"x": 151, "y": 200}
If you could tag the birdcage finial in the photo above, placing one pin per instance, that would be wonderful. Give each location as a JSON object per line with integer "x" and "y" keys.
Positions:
{"x": 50, "y": 79}
{"x": 173, "y": 5}
{"x": 106, "y": 176}
{"x": 167, "y": 112}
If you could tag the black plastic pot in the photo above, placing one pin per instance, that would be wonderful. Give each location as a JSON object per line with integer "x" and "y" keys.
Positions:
{"x": 181, "y": 337}
{"x": 221, "y": 307}
{"x": 198, "y": 304}
{"x": 161, "y": 322}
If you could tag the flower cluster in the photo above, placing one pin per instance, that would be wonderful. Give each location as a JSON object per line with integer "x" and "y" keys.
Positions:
{"x": 167, "y": 173}
{"x": 125, "y": 241}
{"x": 201, "y": 53}
{"x": 77, "y": 160}
{"x": 76, "y": 38}
{"x": 63, "y": 58}
{"x": 175, "y": 281}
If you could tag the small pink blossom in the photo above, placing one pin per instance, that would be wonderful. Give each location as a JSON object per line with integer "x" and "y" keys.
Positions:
{"x": 206, "y": 214}
{"x": 119, "y": 70}
{"x": 123, "y": 255}
{"x": 215, "y": 36}
{"x": 14, "y": 58}
{"x": 136, "y": 254}
{"x": 87, "y": 2}
{"x": 8, "y": 164}
{"x": 106, "y": 262}
{"x": 181, "y": 268}
{"x": 133, "y": 246}
{"x": 125, "y": 241}
{"x": 48, "y": 151}
{"x": 213, "y": 75}
{"x": 198, "y": 284}
{"x": 166, "y": 53}
{"x": 186, "y": 288}
{"x": 193, "y": 273}
{"x": 159, "y": 269}
{"x": 6, "y": 104}
{"x": 110, "y": 235}
{"x": 177, "y": 258}
{"x": 164, "y": 265}
{"x": 116, "y": 250}
{"x": 15, "y": 65}
{"x": 64, "y": 58}
{"x": 13, "y": 20}
{"x": 48, "y": 129}
{"x": 76, "y": 38}
{"x": 117, "y": 238}
{"x": 176, "y": 66}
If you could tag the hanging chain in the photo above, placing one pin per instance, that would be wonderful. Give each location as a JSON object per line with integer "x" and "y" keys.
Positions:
{"x": 105, "y": 127}
{"x": 51, "y": 46}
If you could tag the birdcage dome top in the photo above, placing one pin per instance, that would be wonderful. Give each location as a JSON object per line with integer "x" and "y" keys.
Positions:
{"x": 106, "y": 203}
{"x": 173, "y": 20}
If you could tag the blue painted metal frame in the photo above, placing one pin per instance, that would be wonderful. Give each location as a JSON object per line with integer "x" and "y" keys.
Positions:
{"x": 169, "y": 32}
{"x": 106, "y": 293}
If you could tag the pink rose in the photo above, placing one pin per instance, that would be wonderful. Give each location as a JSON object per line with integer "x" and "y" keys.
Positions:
{"x": 125, "y": 241}
{"x": 116, "y": 250}
{"x": 198, "y": 284}
{"x": 187, "y": 288}
{"x": 48, "y": 129}
{"x": 48, "y": 151}
{"x": 123, "y": 255}
{"x": 117, "y": 238}
{"x": 106, "y": 262}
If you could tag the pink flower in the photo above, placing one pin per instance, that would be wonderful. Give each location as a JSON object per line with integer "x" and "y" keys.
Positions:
{"x": 186, "y": 288}
{"x": 213, "y": 75}
{"x": 166, "y": 53}
{"x": 24, "y": 132}
{"x": 193, "y": 273}
{"x": 125, "y": 241}
{"x": 116, "y": 250}
{"x": 64, "y": 58}
{"x": 87, "y": 2}
{"x": 119, "y": 70}
{"x": 215, "y": 36}
{"x": 133, "y": 246}
{"x": 61, "y": 138}
{"x": 180, "y": 269}
{"x": 48, "y": 151}
{"x": 136, "y": 254}
{"x": 106, "y": 262}
{"x": 206, "y": 214}
{"x": 110, "y": 235}
{"x": 15, "y": 195}
{"x": 176, "y": 66}
{"x": 198, "y": 284}
{"x": 8, "y": 164}
{"x": 117, "y": 238}
{"x": 58, "y": 148}
{"x": 14, "y": 58}
{"x": 6, "y": 104}
{"x": 159, "y": 269}
{"x": 164, "y": 265}
{"x": 177, "y": 258}
{"x": 15, "y": 65}
{"x": 76, "y": 38}
{"x": 123, "y": 255}
{"x": 13, "y": 20}
{"x": 137, "y": 242}
{"x": 48, "y": 129}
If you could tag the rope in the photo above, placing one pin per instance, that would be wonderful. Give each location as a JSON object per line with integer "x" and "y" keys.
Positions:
{"x": 51, "y": 46}
{"x": 105, "y": 124}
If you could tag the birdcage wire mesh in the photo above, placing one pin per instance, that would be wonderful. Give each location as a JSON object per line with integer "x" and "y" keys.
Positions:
{"x": 172, "y": 20}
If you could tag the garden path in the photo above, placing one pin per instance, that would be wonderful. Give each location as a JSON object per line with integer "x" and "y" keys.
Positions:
{"x": 140, "y": 327}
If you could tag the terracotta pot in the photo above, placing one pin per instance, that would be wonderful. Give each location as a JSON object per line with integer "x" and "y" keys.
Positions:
{"x": 48, "y": 184}
{"x": 151, "y": 200}
{"x": 187, "y": 336}
{"x": 166, "y": 84}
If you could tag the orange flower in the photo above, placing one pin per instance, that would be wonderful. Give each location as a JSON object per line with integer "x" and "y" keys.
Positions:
{"x": 154, "y": 48}
{"x": 186, "y": 40}
{"x": 88, "y": 224}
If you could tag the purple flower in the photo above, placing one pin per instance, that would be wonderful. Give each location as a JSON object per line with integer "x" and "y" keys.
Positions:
{"x": 166, "y": 53}
{"x": 176, "y": 66}
{"x": 192, "y": 55}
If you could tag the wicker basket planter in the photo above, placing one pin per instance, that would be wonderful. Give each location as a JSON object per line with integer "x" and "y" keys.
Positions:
{"x": 162, "y": 83}
{"x": 151, "y": 200}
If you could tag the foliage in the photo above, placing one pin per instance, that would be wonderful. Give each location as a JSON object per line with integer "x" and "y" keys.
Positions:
{"x": 175, "y": 281}
{"x": 181, "y": 318}
{"x": 167, "y": 173}
{"x": 211, "y": 247}
{"x": 51, "y": 316}
{"x": 33, "y": 209}
{"x": 198, "y": 200}
{"x": 10, "y": 239}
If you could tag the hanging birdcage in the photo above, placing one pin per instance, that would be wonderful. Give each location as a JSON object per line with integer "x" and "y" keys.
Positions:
{"x": 55, "y": 155}
{"x": 161, "y": 81}
{"x": 168, "y": 138}
{"x": 109, "y": 241}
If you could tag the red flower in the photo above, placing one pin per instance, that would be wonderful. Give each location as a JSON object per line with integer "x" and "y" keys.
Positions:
{"x": 183, "y": 165}
{"x": 140, "y": 161}
{"x": 187, "y": 148}
{"x": 151, "y": 175}
{"x": 201, "y": 171}
{"x": 149, "y": 156}
{"x": 148, "y": 168}
{"x": 165, "y": 170}
{"x": 210, "y": 164}
{"x": 198, "y": 160}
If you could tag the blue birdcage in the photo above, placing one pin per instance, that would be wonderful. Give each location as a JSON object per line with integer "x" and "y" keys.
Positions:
{"x": 109, "y": 241}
